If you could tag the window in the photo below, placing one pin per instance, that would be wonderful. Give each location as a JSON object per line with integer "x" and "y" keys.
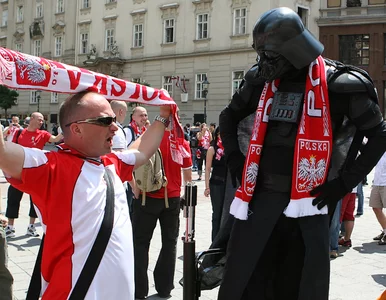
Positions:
{"x": 111, "y": 1}
{"x": 384, "y": 47}
{"x": 19, "y": 13}
{"x": 237, "y": 77}
{"x": 167, "y": 84}
{"x": 138, "y": 35}
{"x": 200, "y": 78}
{"x": 39, "y": 10}
{"x": 85, "y": 3}
{"x": 19, "y": 47}
{"x": 333, "y": 3}
{"x": 109, "y": 39}
{"x": 202, "y": 26}
{"x": 303, "y": 14}
{"x": 58, "y": 45}
{"x": 4, "y": 18}
{"x": 169, "y": 31}
{"x": 59, "y": 6}
{"x": 372, "y": 2}
{"x": 37, "y": 47}
{"x": 54, "y": 97}
{"x": 354, "y": 49}
{"x": 240, "y": 21}
{"x": 84, "y": 43}
{"x": 34, "y": 97}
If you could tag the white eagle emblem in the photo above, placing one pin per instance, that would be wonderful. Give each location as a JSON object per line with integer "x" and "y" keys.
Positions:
{"x": 311, "y": 172}
{"x": 251, "y": 175}
{"x": 34, "y": 69}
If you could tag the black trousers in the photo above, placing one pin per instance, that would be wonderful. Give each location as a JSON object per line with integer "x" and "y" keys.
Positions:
{"x": 272, "y": 257}
{"x": 284, "y": 271}
{"x": 13, "y": 204}
{"x": 144, "y": 222}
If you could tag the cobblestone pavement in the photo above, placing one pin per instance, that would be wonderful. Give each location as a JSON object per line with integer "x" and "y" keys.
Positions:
{"x": 358, "y": 274}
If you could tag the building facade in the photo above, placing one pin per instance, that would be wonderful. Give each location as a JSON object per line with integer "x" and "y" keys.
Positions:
{"x": 354, "y": 32}
{"x": 174, "y": 44}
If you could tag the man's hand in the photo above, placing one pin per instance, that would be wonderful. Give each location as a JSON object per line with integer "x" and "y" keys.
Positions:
{"x": 329, "y": 193}
{"x": 164, "y": 111}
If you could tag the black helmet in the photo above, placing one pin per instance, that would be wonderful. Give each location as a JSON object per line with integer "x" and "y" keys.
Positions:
{"x": 282, "y": 31}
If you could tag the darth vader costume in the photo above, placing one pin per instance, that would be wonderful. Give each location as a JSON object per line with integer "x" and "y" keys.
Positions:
{"x": 271, "y": 256}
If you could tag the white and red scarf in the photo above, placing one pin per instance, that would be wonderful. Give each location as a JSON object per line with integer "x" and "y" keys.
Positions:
{"x": 313, "y": 147}
{"x": 138, "y": 131}
{"x": 23, "y": 71}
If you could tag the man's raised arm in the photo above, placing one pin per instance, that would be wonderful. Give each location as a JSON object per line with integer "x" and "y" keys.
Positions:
{"x": 11, "y": 158}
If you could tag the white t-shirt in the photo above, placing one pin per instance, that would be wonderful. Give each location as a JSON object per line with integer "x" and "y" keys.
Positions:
{"x": 119, "y": 139}
{"x": 380, "y": 172}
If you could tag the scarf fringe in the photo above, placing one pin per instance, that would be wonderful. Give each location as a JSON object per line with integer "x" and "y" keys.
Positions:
{"x": 303, "y": 208}
{"x": 239, "y": 209}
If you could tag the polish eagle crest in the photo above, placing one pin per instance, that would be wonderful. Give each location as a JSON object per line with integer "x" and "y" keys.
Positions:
{"x": 35, "y": 70}
{"x": 311, "y": 172}
{"x": 251, "y": 175}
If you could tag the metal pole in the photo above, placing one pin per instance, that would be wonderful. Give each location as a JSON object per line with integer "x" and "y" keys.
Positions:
{"x": 205, "y": 109}
{"x": 190, "y": 273}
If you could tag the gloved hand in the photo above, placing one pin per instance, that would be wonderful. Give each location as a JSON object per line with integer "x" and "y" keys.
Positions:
{"x": 235, "y": 163}
{"x": 329, "y": 193}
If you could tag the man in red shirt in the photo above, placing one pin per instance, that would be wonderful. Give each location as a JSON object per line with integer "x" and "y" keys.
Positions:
{"x": 31, "y": 137}
{"x": 145, "y": 219}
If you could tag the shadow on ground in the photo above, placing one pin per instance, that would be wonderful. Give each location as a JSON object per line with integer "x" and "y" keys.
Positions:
{"x": 31, "y": 242}
{"x": 369, "y": 248}
{"x": 380, "y": 279}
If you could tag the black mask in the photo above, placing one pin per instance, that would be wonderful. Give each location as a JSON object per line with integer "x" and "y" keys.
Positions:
{"x": 272, "y": 65}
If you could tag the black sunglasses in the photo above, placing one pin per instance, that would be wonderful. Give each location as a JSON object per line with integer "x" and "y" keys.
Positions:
{"x": 100, "y": 121}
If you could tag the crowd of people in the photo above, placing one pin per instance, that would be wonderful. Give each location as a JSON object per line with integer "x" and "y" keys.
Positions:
{"x": 282, "y": 187}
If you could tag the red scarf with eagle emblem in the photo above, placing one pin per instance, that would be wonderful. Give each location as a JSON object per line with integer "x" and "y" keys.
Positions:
{"x": 313, "y": 147}
{"x": 23, "y": 71}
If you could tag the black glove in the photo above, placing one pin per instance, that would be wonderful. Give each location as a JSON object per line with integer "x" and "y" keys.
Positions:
{"x": 235, "y": 163}
{"x": 329, "y": 193}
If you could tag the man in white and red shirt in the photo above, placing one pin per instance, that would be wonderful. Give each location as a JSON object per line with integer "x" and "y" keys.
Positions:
{"x": 145, "y": 219}
{"x": 31, "y": 137}
{"x": 10, "y": 131}
{"x": 69, "y": 191}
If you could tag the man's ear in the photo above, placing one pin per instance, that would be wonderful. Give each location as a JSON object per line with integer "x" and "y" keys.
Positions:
{"x": 76, "y": 129}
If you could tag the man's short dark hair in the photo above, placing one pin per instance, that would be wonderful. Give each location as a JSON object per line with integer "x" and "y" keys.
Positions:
{"x": 213, "y": 124}
{"x": 68, "y": 109}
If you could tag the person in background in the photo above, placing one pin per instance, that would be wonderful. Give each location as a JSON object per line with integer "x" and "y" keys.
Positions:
{"x": 26, "y": 123}
{"x": 347, "y": 217}
{"x": 137, "y": 125}
{"x": 212, "y": 128}
{"x": 204, "y": 138}
{"x": 31, "y": 137}
{"x": 145, "y": 219}
{"x": 10, "y": 131}
{"x": 215, "y": 180}
{"x": 378, "y": 198}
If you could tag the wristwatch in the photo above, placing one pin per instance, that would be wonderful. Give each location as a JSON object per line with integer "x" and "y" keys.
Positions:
{"x": 163, "y": 120}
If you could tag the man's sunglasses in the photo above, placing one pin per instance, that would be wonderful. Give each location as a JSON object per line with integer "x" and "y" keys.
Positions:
{"x": 101, "y": 121}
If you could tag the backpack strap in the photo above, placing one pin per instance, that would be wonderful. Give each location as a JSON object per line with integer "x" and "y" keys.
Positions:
{"x": 98, "y": 249}
{"x": 133, "y": 136}
{"x": 165, "y": 179}
{"x": 18, "y": 134}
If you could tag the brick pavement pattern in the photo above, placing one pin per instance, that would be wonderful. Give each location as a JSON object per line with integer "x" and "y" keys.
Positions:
{"x": 358, "y": 274}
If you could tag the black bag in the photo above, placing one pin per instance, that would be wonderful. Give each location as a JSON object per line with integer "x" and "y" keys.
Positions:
{"x": 94, "y": 258}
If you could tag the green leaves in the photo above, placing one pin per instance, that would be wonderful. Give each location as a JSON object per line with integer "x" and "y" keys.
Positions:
{"x": 8, "y": 98}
